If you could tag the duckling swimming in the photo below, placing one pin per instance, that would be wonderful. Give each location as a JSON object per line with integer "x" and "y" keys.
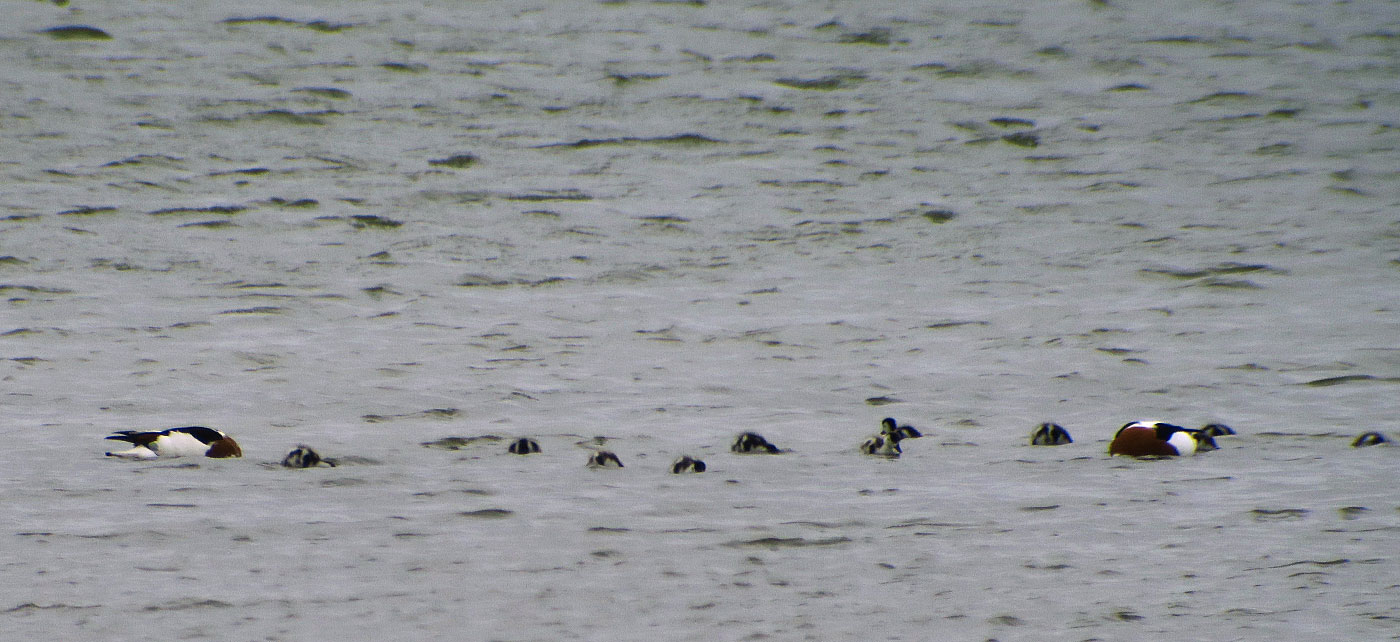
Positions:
{"x": 886, "y": 443}
{"x": 752, "y": 442}
{"x": 1369, "y": 439}
{"x": 1217, "y": 430}
{"x": 604, "y": 459}
{"x": 1050, "y": 434}
{"x": 524, "y": 446}
{"x": 304, "y": 457}
{"x": 889, "y": 426}
{"x": 687, "y": 464}
{"x": 883, "y": 445}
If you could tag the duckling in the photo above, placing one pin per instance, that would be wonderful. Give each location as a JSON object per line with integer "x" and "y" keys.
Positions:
{"x": 687, "y": 464}
{"x": 1050, "y": 434}
{"x": 1369, "y": 439}
{"x": 752, "y": 442}
{"x": 1217, "y": 430}
{"x": 524, "y": 446}
{"x": 889, "y": 426}
{"x": 304, "y": 457}
{"x": 886, "y": 443}
{"x": 604, "y": 459}
{"x": 883, "y": 445}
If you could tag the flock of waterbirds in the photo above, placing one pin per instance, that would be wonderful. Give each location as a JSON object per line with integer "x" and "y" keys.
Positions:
{"x": 1144, "y": 439}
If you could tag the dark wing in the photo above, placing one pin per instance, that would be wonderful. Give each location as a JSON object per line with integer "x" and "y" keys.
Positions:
{"x": 206, "y": 435}
{"x": 1166, "y": 430}
{"x": 136, "y": 437}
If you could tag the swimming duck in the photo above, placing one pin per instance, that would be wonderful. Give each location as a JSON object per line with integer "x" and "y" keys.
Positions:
{"x": 1050, "y": 434}
{"x": 752, "y": 442}
{"x": 687, "y": 464}
{"x": 1369, "y": 439}
{"x": 524, "y": 446}
{"x": 1148, "y": 438}
{"x": 189, "y": 441}
{"x": 1217, "y": 430}
{"x": 883, "y": 445}
{"x": 304, "y": 457}
{"x": 886, "y": 443}
{"x": 889, "y": 426}
{"x": 604, "y": 459}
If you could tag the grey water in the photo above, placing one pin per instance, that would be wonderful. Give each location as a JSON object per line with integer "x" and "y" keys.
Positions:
{"x": 648, "y": 226}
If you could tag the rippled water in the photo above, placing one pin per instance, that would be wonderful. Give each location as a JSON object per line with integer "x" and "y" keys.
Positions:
{"x": 368, "y": 227}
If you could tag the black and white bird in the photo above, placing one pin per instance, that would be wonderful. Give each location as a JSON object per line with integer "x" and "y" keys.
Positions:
{"x": 882, "y": 445}
{"x": 886, "y": 443}
{"x": 524, "y": 446}
{"x": 304, "y": 457}
{"x": 751, "y": 443}
{"x": 687, "y": 464}
{"x": 604, "y": 459}
{"x": 905, "y": 431}
{"x": 1217, "y": 430}
{"x": 189, "y": 441}
{"x": 1050, "y": 434}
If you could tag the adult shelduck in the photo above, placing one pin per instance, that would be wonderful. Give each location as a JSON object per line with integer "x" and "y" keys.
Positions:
{"x": 603, "y": 459}
{"x": 1158, "y": 438}
{"x": 304, "y": 457}
{"x": 886, "y": 443}
{"x": 524, "y": 446}
{"x": 752, "y": 442}
{"x": 687, "y": 464}
{"x": 189, "y": 441}
{"x": 1050, "y": 434}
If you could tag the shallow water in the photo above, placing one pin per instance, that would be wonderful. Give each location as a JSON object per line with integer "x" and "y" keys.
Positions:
{"x": 369, "y": 227}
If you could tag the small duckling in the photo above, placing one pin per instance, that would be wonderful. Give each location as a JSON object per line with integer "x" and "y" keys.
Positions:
{"x": 604, "y": 459}
{"x": 886, "y": 443}
{"x": 905, "y": 431}
{"x": 1050, "y": 434}
{"x": 524, "y": 446}
{"x": 304, "y": 457}
{"x": 752, "y": 442}
{"x": 1369, "y": 439}
{"x": 1217, "y": 430}
{"x": 883, "y": 445}
{"x": 687, "y": 464}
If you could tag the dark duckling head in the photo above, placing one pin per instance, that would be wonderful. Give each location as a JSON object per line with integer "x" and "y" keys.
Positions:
{"x": 604, "y": 459}
{"x": 524, "y": 446}
{"x": 752, "y": 442}
{"x": 1050, "y": 434}
{"x": 304, "y": 457}
{"x": 1217, "y": 430}
{"x": 889, "y": 426}
{"x": 687, "y": 464}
